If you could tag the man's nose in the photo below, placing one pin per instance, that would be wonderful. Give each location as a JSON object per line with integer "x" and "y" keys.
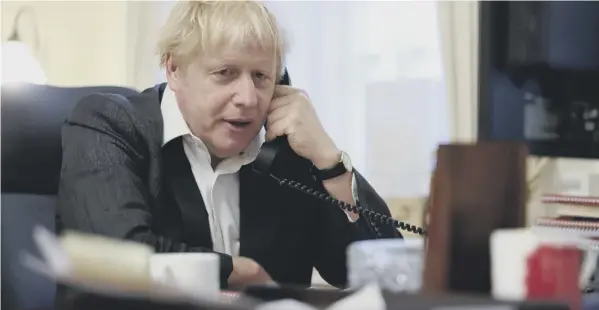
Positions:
{"x": 245, "y": 92}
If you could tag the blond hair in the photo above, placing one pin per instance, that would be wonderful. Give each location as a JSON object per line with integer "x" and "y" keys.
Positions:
{"x": 196, "y": 27}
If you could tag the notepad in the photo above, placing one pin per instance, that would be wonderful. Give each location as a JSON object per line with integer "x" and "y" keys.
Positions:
{"x": 117, "y": 263}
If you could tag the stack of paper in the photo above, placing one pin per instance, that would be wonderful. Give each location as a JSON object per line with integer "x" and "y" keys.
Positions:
{"x": 100, "y": 265}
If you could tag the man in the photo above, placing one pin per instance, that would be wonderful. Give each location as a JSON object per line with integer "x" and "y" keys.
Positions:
{"x": 172, "y": 166}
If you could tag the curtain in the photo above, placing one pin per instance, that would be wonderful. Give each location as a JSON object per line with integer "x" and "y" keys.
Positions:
{"x": 144, "y": 19}
{"x": 458, "y": 22}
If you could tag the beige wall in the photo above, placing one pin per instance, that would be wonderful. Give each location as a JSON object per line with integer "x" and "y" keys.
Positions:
{"x": 91, "y": 42}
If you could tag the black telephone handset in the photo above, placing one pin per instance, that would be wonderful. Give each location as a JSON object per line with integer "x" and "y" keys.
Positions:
{"x": 263, "y": 164}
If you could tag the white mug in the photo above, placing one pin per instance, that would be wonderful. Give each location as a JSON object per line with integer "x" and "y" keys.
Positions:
{"x": 511, "y": 248}
{"x": 196, "y": 274}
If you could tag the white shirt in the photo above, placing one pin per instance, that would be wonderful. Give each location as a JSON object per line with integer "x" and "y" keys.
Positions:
{"x": 219, "y": 187}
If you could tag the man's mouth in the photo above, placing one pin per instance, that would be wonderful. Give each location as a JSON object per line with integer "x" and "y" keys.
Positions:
{"x": 239, "y": 123}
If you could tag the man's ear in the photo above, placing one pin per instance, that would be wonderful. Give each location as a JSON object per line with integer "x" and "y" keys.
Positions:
{"x": 173, "y": 73}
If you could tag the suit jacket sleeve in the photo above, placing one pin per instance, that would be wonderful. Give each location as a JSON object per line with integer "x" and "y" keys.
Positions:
{"x": 336, "y": 233}
{"x": 103, "y": 186}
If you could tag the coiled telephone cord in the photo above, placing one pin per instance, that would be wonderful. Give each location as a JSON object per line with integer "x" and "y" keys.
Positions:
{"x": 364, "y": 212}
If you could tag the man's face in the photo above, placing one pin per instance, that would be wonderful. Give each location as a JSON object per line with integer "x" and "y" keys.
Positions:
{"x": 224, "y": 98}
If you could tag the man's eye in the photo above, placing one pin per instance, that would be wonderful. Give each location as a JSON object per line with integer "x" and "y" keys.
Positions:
{"x": 260, "y": 75}
{"x": 225, "y": 72}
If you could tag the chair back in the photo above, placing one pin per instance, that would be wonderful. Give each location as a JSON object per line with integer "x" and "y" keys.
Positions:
{"x": 32, "y": 117}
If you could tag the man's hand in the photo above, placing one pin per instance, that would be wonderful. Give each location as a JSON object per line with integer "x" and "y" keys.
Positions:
{"x": 246, "y": 271}
{"x": 291, "y": 114}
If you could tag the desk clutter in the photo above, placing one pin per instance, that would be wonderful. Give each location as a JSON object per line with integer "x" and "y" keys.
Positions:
{"x": 576, "y": 215}
{"x": 477, "y": 255}
{"x": 118, "y": 269}
{"x": 138, "y": 289}
{"x": 477, "y": 243}
{"x": 119, "y": 275}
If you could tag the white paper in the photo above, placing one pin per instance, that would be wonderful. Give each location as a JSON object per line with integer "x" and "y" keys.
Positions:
{"x": 285, "y": 304}
{"x": 369, "y": 297}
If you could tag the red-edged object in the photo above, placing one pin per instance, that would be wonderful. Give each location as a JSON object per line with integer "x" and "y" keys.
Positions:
{"x": 552, "y": 274}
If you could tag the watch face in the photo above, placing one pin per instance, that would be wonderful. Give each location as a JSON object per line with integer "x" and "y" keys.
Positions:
{"x": 346, "y": 161}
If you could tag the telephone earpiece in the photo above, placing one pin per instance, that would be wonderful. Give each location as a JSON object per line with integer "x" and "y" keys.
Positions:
{"x": 268, "y": 152}
{"x": 268, "y": 156}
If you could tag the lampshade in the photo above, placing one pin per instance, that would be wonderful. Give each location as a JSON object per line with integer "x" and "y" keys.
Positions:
{"x": 20, "y": 65}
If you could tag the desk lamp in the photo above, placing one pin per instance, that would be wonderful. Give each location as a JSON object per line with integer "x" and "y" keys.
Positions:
{"x": 18, "y": 60}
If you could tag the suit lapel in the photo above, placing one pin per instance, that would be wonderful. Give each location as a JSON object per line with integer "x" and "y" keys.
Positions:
{"x": 257, "y": 230}
{"x": 186, "y": 194}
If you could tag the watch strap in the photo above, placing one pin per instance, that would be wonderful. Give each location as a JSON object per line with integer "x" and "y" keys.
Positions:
{"x": 329, "y": 173}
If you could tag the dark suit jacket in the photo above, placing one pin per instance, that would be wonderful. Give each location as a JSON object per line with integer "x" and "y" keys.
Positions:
{"x": 119, "y": 181}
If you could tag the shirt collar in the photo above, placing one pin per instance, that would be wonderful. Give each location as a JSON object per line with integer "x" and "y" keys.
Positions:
{"x": 175, "y": 126}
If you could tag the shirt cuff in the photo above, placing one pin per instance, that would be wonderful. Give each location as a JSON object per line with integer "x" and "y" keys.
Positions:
{"x": 354, "y": 193}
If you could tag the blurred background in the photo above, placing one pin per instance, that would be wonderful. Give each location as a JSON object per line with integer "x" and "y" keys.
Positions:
{"x": 376, "y": 71}
{"x": 390, "y": 80}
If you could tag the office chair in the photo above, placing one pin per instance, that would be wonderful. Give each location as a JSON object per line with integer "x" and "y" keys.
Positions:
{"x": 32, "y": 117}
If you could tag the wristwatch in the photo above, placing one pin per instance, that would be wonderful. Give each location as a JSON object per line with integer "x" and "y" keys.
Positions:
{"x": 344, "y": 165}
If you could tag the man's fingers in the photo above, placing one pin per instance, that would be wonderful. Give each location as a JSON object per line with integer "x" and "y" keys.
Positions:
{"x": 279, "y": 103}
{"x": 284, "y": 90}
{"x": 247, "y": 272}
{"x": 277, "y": 114}
{"x": 275, "y": 129}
